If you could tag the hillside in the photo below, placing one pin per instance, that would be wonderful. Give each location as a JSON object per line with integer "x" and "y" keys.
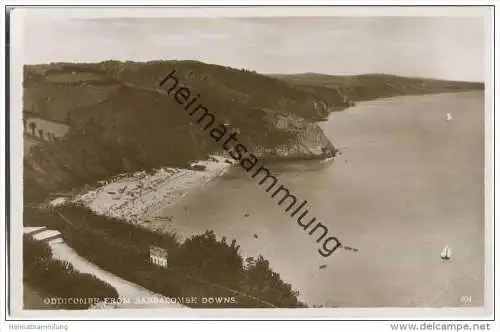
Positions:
{"x": 373, "y": 86}
{"x": 85, "y": 84}
{"x": 117, "y": 120}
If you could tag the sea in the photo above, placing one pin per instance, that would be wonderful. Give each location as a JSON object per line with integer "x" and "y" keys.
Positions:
{"x": 406, "y": 183}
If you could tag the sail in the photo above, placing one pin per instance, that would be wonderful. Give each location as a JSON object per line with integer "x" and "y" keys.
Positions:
{"x": 448, "y": 116}
{"x": 446, "y": 252}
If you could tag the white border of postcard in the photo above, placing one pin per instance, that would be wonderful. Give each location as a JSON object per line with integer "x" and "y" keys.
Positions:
{"x": 16, "y": 147}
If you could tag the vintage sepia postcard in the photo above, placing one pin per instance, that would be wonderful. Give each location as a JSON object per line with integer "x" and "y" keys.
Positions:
{"x": 336, "y": 161}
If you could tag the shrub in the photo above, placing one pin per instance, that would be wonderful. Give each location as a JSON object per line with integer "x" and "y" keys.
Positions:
{"x": 58, "y": 279}
{"x": 201, "y": 266}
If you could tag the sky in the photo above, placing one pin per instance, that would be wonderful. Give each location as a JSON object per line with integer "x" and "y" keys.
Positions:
{"x": 436, "y": 47}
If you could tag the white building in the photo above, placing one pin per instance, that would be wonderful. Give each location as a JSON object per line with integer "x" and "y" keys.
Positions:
{"x": 158, "y": 256}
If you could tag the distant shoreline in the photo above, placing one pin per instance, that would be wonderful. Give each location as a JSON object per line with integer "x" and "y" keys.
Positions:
{"x": 400, "y": 96}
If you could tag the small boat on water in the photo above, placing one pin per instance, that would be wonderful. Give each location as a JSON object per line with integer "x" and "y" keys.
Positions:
{"x": 446, "y": 253}
{"x": 448, "y": 117}
{"x": 326, "y": 160}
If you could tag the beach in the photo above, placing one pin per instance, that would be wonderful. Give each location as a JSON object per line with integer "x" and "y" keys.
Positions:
{"x": 138, "y": 197}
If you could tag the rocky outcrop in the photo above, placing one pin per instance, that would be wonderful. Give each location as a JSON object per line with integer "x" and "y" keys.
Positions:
{"x": 309, "y": 140}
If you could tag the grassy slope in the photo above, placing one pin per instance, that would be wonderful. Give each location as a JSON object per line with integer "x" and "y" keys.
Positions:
{"x": 219, "y": 86}
{"x": 372, "y": 86}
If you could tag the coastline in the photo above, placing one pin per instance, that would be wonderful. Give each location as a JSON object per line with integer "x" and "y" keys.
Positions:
{"x": 139, "y": 196}
{"x": 150, "y": 226}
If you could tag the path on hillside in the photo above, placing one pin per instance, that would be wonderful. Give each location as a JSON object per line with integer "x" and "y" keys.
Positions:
{"x": 125, "y": 289}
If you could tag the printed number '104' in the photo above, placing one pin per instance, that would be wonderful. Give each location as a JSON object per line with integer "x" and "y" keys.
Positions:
{"x": 465, "y": 299}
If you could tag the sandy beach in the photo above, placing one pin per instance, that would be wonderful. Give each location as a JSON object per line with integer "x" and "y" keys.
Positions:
{"x": 139, "y": 196}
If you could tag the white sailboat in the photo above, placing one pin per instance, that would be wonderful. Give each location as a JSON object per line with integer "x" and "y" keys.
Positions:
{"x": 446, "y": 253}
{"x": 448, "y": 117}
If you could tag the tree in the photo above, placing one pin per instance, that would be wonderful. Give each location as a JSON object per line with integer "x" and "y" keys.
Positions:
{"x": 34, "y": 252}
{"x": 40, "y": 133}
{"x": 204, "y": 257}
{"x": 25, "y": 122}
{"x": 55, "y": 278}
{"x": 32, "y": 126}
{"x": 69, "y": 120}
{"x": 261, "y": 281}
{"x": 43, "y": 109}
{"x": 84, "y": 158}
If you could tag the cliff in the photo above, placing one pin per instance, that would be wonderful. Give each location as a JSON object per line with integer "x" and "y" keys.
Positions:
{"x": 308, "y": 142}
